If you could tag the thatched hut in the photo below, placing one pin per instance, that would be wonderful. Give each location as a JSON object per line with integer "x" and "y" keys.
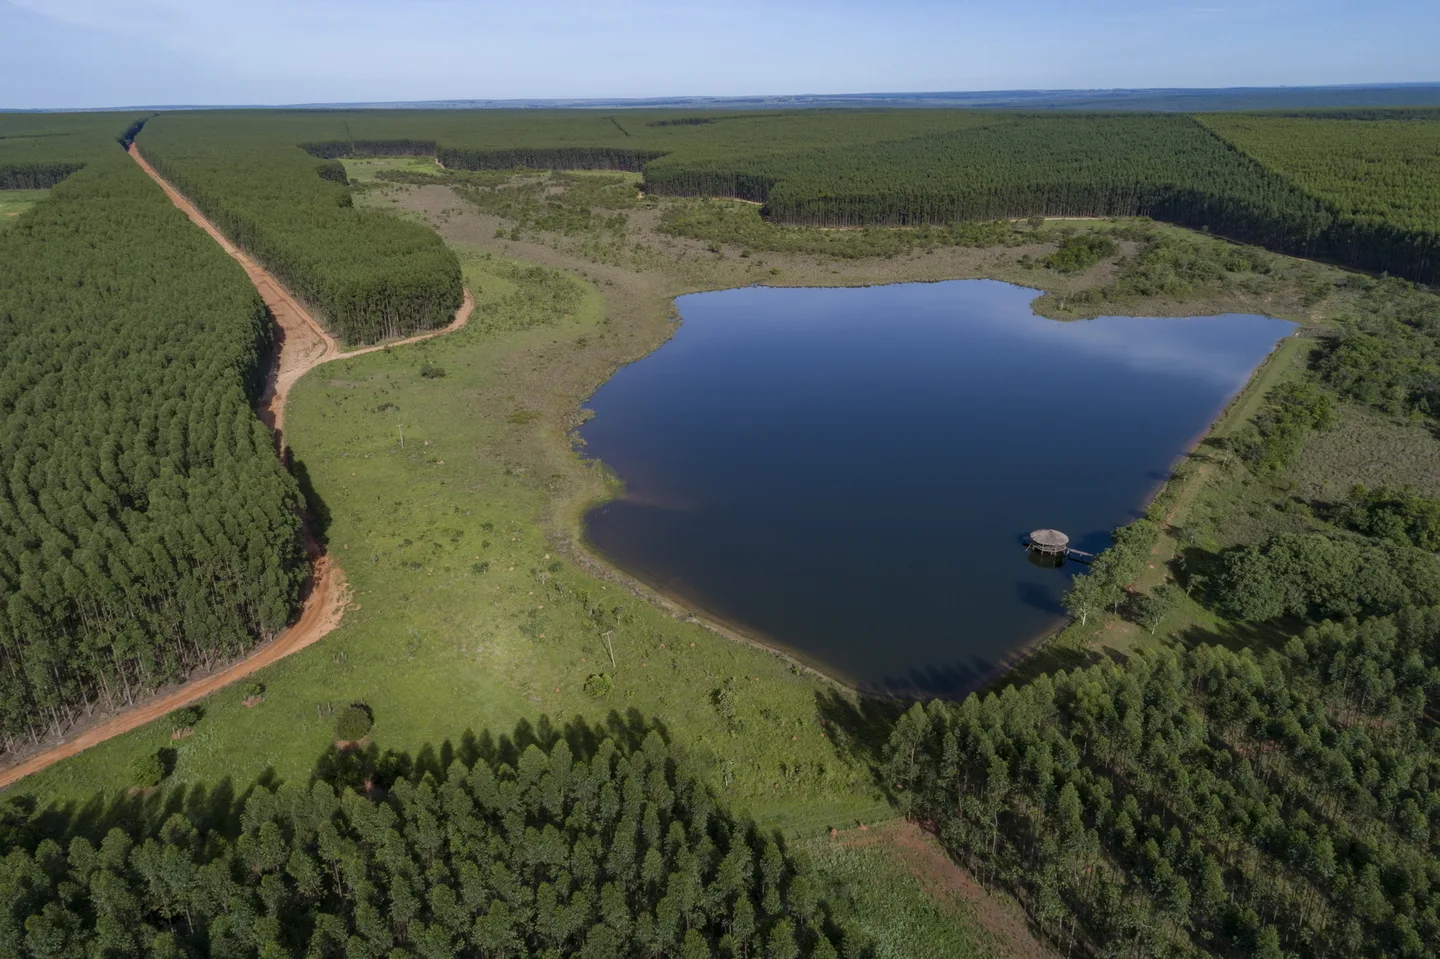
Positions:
{"x": 1050, "y": 542}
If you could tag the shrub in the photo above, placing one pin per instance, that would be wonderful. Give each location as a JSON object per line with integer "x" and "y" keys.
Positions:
{"x": 146, "y": 771}
{"x": 1078, "y": 253}
{"x": 185, "y": 717}
{"x": 600, "y": 685}
{"x": 1314, "y": 574}
{"x": 430, "y": 371}
{"x": 252, "y": 689}
{"x": 353, "y": 723}
{"x": 723, "y": 698}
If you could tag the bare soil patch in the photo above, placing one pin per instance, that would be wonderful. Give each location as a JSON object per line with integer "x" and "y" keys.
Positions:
{"x": 947, "y": 882}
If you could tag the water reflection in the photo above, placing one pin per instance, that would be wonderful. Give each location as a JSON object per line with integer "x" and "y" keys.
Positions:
{"x": 843, "y": 471}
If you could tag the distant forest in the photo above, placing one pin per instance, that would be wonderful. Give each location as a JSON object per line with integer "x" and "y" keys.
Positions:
{"x": 1307, "y": 183}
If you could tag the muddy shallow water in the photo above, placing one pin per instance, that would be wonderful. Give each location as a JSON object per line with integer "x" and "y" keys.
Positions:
{"x": 847, "y": 473}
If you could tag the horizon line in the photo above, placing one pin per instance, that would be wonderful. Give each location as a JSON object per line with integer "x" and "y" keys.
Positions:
{"x": 720, "y": 99}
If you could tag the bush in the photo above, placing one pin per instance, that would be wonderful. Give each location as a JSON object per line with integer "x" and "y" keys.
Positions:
{"x": 146, "y": 771}
{"x": 430, "y": 371}
{"x": 1314, "y": 574}
{"x": 185, "y": 717}
{"x": 600, "y": 685}
{"x": 252, "y": 689}
{"x": 1274, "y": 438}
{"x": 1078, "y": 253}
{"x": 1397, "y": 516}
{"x": 353, "y": 723}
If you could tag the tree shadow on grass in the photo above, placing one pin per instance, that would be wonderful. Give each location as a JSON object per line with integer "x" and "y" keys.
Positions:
{"x": 1261, "y": 637}
{"x": 210, "y": 808}
{"x": 1051, "y": 658}
{"x": 370, "y": 768}
{"x": 315, "y": 506}
{"x": 217, "y": 808}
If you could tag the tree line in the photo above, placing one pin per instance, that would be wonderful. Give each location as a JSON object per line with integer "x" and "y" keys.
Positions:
{"x": 603, "y": 854}
{"x": 1203, "y": 801}
{"x": 1275, "y": 181}
{"x": 370, "y": 275}
{"x": 34, "y": 176}
{"x": 146, "y": 526}
{"x": 1380, "y": 177}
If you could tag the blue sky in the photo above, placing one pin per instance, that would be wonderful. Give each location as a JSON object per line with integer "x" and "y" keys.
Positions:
{"x": 83, "y": 53}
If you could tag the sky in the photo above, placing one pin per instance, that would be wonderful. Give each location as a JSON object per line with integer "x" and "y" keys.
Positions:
{"x": 99, "y": 53}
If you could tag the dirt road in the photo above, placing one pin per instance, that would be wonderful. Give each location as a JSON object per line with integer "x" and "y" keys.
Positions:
{"x": 301, "y": 345}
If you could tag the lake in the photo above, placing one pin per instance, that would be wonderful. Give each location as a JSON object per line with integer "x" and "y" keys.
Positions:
{"x": 848, "y": 473}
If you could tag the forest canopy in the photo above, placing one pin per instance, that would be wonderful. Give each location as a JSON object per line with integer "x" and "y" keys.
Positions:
{"x": 602, "y": 853}
{"x": 1355, "y": 187}
{"x": 146, "y": 525}
{"x": 371, "y": 276}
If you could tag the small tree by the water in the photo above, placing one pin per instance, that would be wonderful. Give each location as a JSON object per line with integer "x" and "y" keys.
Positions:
{"x": 1088, "y": 595}
{"x": 1152, "y": 608}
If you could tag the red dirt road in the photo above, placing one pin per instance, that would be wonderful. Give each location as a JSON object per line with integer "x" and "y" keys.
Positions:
{"x": 301, "y": 345}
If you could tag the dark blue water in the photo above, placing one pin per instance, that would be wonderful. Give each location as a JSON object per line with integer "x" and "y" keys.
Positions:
{"x": 847, "y": 473}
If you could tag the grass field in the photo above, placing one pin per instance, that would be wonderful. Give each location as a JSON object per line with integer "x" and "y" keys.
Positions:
{"x": 15, "y": 202}
{"x": 364, "y": 170}
{"x": 898, "y": 884}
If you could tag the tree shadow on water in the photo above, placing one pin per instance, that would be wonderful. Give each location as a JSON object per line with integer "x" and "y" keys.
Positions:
{"x": 1037, "y": 596}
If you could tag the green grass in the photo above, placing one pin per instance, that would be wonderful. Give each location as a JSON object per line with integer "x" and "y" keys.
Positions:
{"x": 15, "y": 202}
{"x": 463, "y": 616}
{"x": 364, "y": 170}
{"x": 1370, "y": 447}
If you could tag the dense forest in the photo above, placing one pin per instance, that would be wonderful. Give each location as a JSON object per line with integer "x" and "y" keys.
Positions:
{"x": 1281, "y": 800}
{"x": 1382, "y": 179}
{"x": 1204, "y": 802}
{"x": 1356, "y": 187}
{"x": 37, "y": 152}
{"x": 372, "y": 276}
{"x": 604, "y": 854}
{"x": 146, "y": 526}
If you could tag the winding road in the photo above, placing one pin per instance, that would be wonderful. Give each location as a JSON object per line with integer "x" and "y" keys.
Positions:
{"x": 301, "y": 345}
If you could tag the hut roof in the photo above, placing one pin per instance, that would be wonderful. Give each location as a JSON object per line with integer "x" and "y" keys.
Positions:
{"x": 1052, "y": 538}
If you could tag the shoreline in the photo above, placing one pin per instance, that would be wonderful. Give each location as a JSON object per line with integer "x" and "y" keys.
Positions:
{"x": 592, "y": 560}
{"x": 1254, "y": 387}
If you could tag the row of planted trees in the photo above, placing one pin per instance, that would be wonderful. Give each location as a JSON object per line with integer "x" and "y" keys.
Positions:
{"x": 371, "y": 276}
{"x": 1254, "y": 179}
{"x": 146, "y": 526}
{"x": 1203, "y": 802}
{"x": 606, "y": 854}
